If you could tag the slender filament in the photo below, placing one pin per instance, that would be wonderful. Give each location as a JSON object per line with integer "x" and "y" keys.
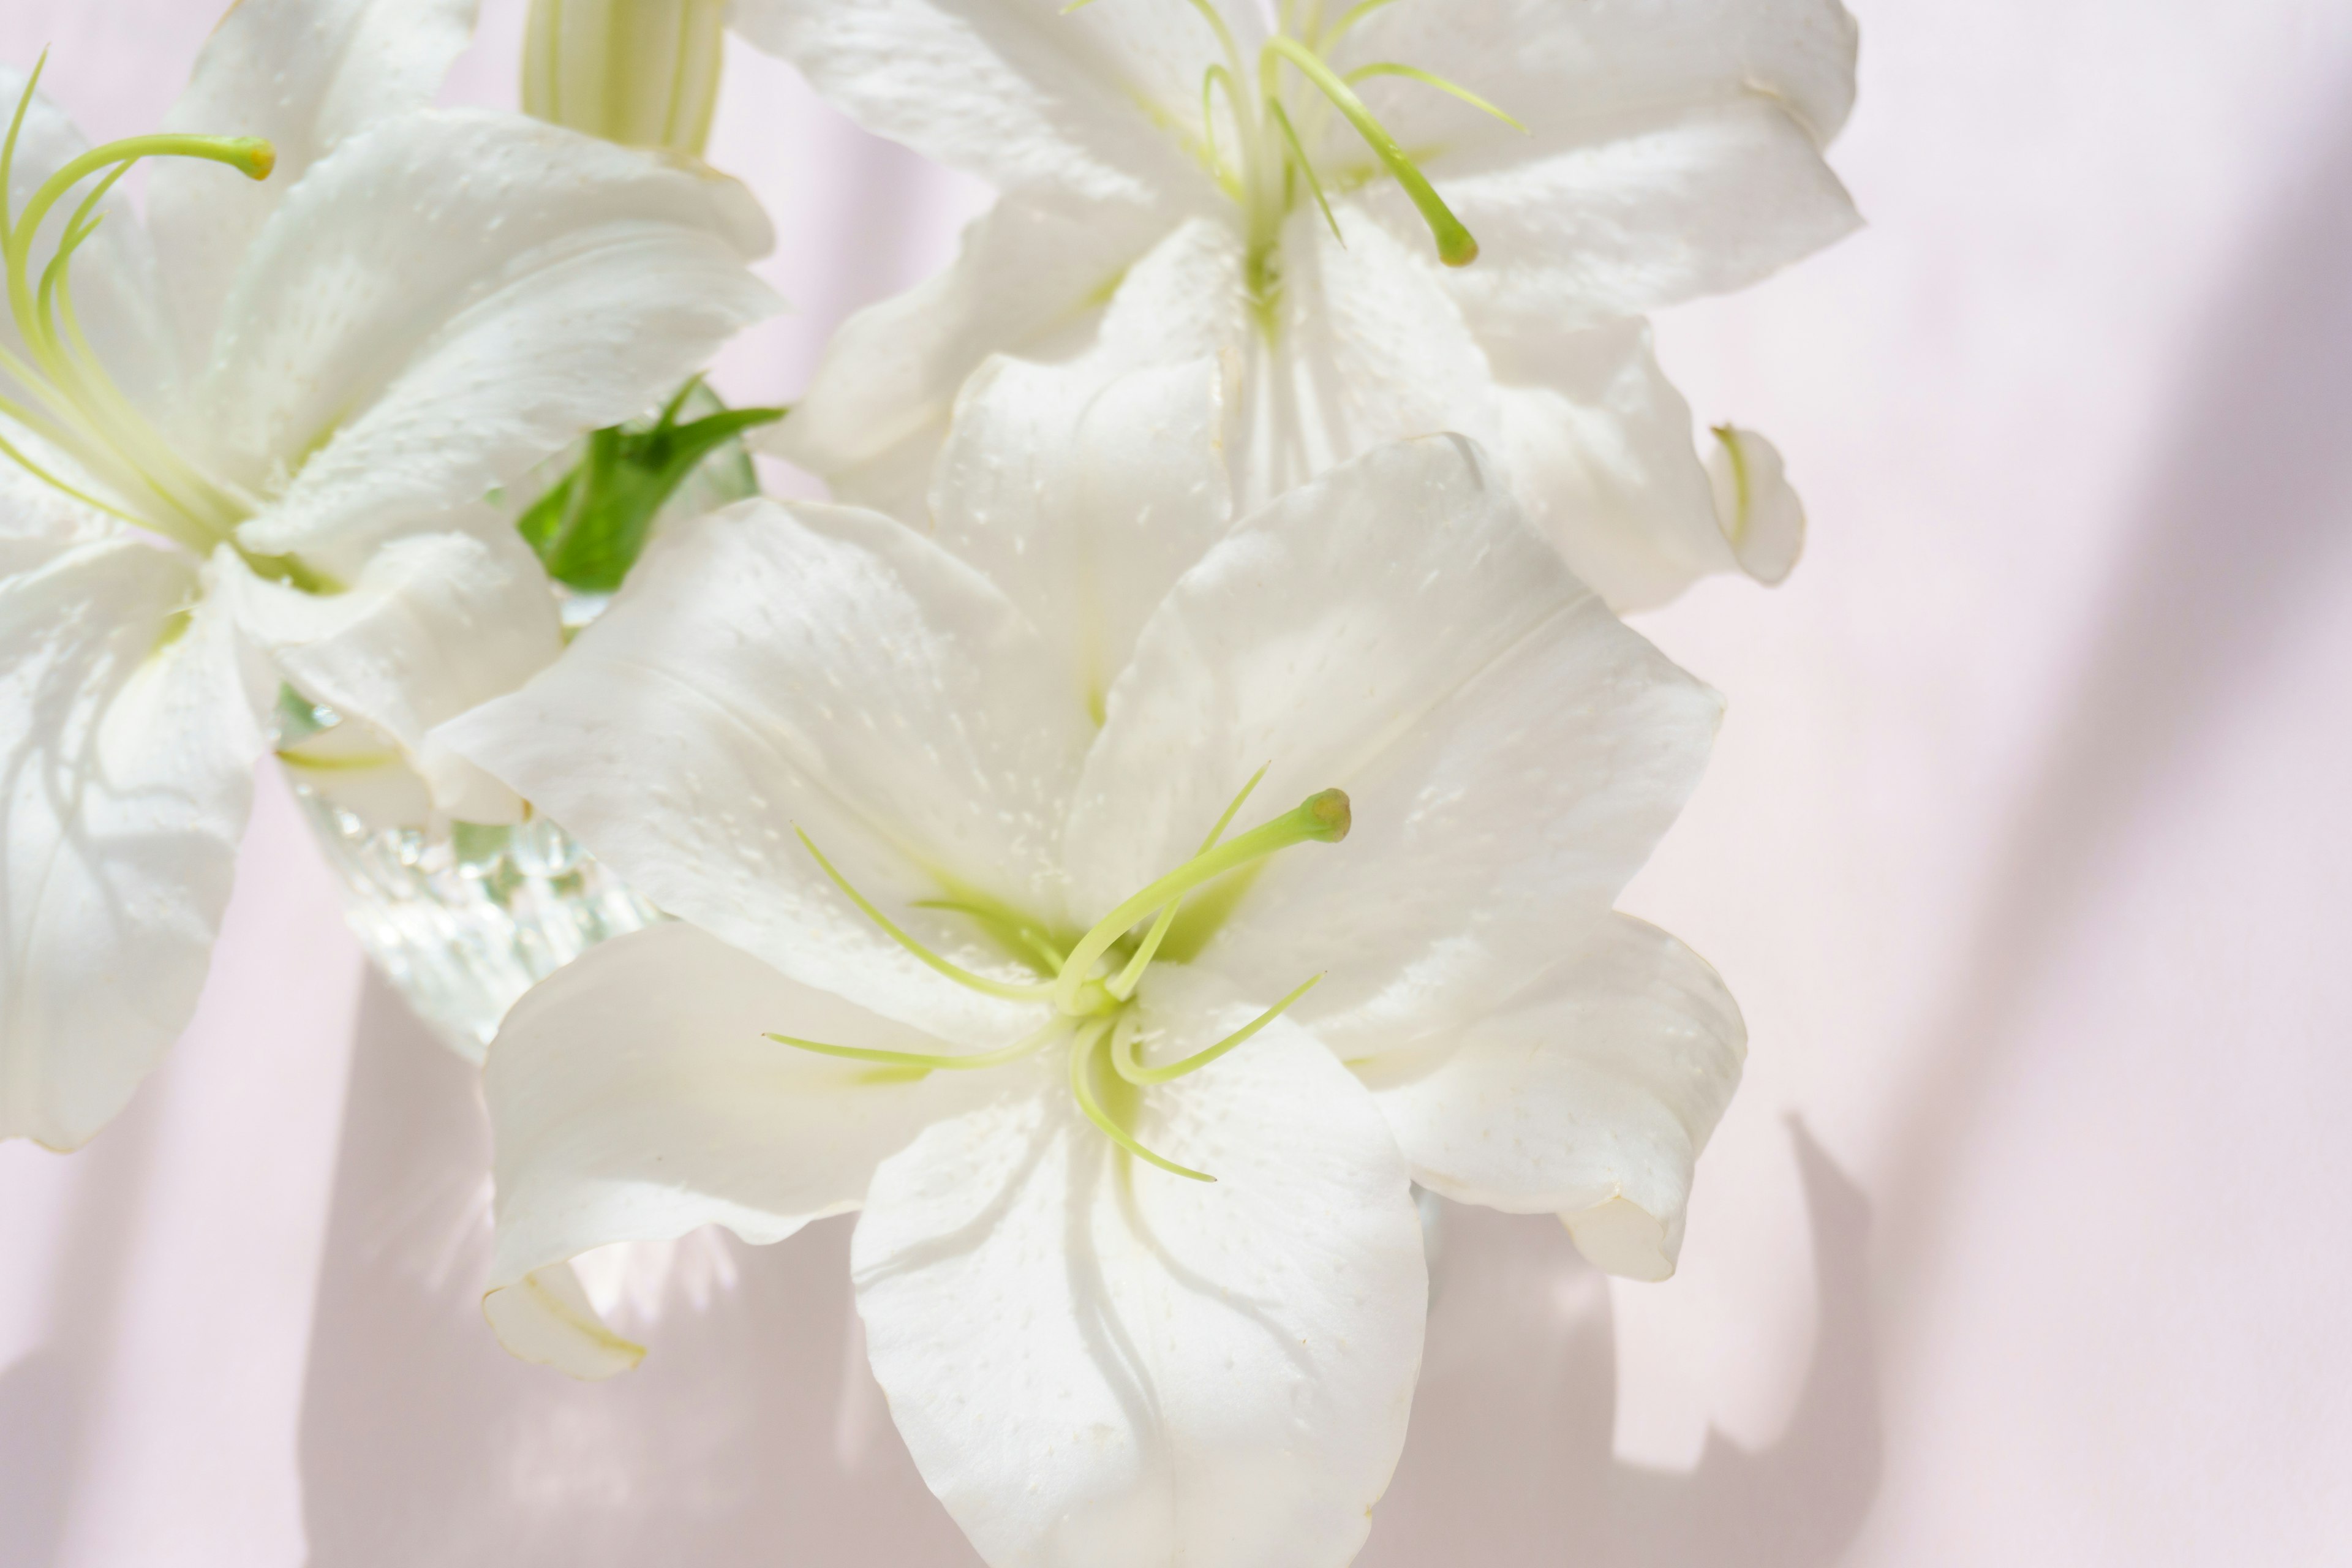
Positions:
{"x": 1122, "y": 1050}
{"x": 1082, "y": 1089}
{"x": 1456, "y": 247}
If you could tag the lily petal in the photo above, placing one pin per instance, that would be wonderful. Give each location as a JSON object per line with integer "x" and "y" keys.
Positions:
{"x": 1085, "y": 504}
{"x": 1097, "y": 1365}
{"x": 770, "y": 669}
{"x": 1371, "y": 350}
{"x": 435, "y": 624}
{"x": 633, "y": 1098}
{"x": 1034, "y": 272}
{"x": 1556, "y": 68}
{"x": 1600, "y": 448}
{"x": 1591, "y": 1092}
{"x": 1013, "y": 90}
{"x": 1394, "y": 629}
{"x": 449, "y": 298}
{"x": 129, "y": 742}
{"x": 1644, "y": 211}
{"x": 305, "y": 74}
{"x": 1762, "y": 520}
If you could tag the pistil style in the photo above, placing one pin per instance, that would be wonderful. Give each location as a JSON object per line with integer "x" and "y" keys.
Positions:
{"x": 1088, "y": 1010}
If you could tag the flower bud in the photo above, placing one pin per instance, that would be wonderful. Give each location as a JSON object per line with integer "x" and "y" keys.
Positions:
{"x": 644, "y": 73}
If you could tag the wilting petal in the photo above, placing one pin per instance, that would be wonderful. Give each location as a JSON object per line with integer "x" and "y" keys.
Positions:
{"x": 633, "y": 1098}
{"x": 1598, "y": 444}
{"x": 1590, "y": 1093}
{"x": 129, "y": 740}
{"x": 1097, "y": 1364}
{"x": 1086, "y": 500}
{"x": 1033, "y": 269}
{"x": 113, "y": 275}
{"x": 769, "y": 668}
{"x": 305, "y": 74}
{"x": 1761, "y": 517}
{"x": 1013, "y": 90}
{"x": 1395, "y": 630}
{"x": 435, "y": 624}
{"x": 447, "y": 298}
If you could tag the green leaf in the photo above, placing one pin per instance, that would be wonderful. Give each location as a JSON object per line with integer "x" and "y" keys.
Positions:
{"x": 591, "y": 525}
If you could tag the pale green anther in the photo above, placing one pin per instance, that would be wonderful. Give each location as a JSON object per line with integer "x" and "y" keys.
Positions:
{"x": 75, "y": 405}
{"x": 644, "y": 73}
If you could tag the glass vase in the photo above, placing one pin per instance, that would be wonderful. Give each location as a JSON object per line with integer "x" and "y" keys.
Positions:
{"x": 463, "y": 917}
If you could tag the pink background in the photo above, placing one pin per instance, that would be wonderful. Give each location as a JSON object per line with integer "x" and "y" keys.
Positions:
{"x": 2025, "y": 849}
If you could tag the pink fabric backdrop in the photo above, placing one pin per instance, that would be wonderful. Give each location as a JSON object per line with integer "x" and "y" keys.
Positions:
{"x": 2024, "y": 848}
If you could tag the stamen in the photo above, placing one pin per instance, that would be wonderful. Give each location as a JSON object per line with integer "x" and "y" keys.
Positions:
{"x": 1122, "y": 1050}
{"x": 1028, "y": 1045}
{"x": 81, "y": 412}
{"x": 1299, "y": 154}
{"x": 1456, "y": 247}
{"x": 1322, "y": 818}
{"x": 1431, "y": 78}
{"x": 1124, "y": 986}
{"x": 1217, "y": 170}
{"x": 1082, "y": 1056}
{"x": 954, "y": 972}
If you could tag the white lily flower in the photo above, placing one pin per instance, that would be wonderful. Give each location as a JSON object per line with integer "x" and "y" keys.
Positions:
{"x": 265, "y": 420}
{"x": 1180, "y": 177}
{"x": 1116, "y": 904}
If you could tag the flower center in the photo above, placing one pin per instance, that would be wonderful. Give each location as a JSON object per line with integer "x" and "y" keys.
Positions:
{"x": 1093, "y": 998}
{"x": 1269, "y": 159}
{"x": 72, "y": 404}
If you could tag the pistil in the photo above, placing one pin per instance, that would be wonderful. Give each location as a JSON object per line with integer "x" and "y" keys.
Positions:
{"x": 1090, "y": 1010}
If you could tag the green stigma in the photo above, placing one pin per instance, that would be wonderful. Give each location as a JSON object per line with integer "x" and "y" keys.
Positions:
{"x": 75, "y": 405}
{"x": 1091, "y": 1004}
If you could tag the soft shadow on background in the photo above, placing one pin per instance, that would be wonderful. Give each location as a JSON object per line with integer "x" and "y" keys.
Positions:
{"x": 2240, "y": 536}
{"x": 48, "y": 1397}
{"x": 1509, "y": 1461}
{"x": 753, "y": 1428}
{"x": 424, "y": 1442}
